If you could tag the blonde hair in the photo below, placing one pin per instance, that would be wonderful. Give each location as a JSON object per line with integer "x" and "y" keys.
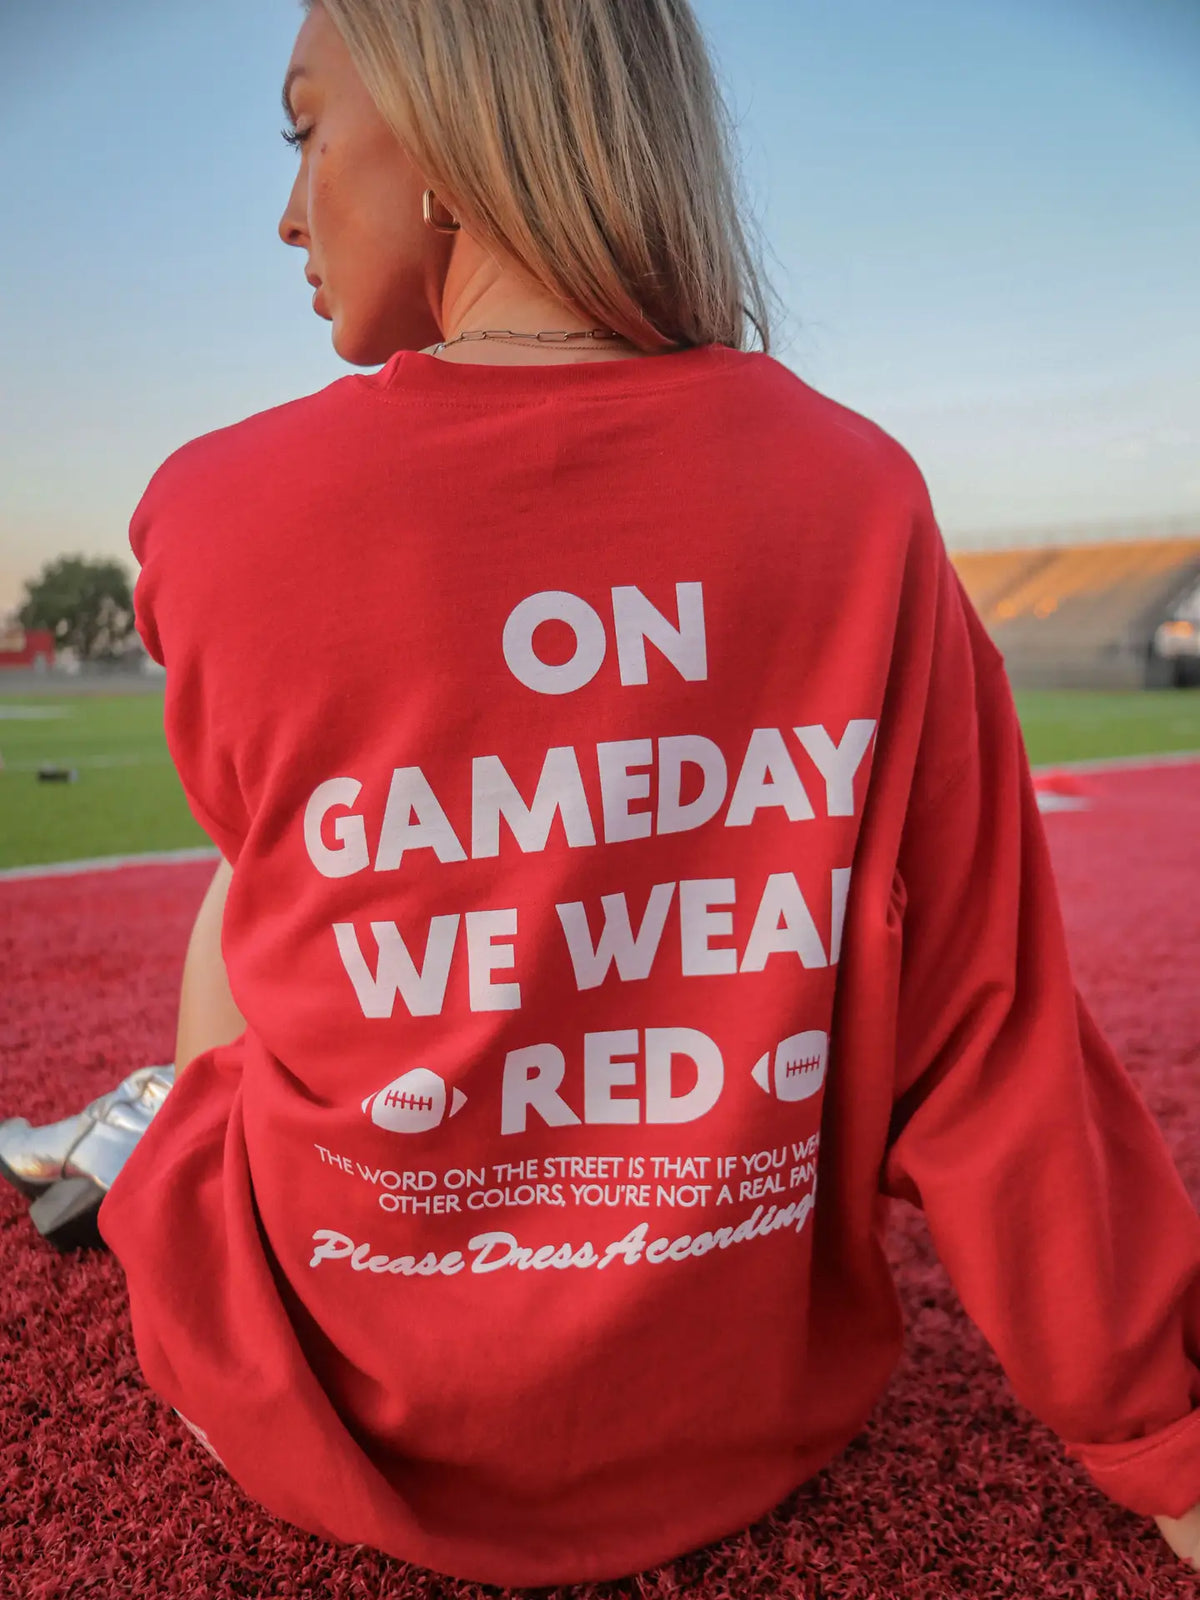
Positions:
{"x": 585, "y": 140}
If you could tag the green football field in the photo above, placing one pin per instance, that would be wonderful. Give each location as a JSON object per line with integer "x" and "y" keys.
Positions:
{"x": 127, "y": 798}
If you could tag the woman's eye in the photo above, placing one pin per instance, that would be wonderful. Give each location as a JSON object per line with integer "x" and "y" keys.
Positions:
{"x": 295, "y": 136}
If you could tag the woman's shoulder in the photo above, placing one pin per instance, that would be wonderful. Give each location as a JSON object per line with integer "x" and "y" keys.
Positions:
{"x": 847, "y": 439}
{"x": 249, "y": 442}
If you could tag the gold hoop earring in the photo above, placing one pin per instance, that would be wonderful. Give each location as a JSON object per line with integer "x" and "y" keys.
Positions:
{"x": 438, "y": 227}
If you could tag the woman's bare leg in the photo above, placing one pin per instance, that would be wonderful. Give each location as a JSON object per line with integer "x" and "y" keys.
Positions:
{"x": 208, "y": 1015}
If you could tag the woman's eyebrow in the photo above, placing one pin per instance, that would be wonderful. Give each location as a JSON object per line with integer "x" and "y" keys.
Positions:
{"x": 293, "y": 74}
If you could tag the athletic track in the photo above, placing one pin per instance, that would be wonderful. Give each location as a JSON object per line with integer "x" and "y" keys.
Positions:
{"x": 951, "y": 1489}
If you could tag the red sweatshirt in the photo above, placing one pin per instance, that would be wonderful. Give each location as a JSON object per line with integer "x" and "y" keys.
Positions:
{"x": 638, "y": 880}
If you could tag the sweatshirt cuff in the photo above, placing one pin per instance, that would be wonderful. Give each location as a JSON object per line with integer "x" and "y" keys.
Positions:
{"x": 1157, "y": 1475}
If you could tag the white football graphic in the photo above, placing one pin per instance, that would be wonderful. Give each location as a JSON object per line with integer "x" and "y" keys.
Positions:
{"x": 799, "y": 1066}
{"x": 413, "y": 1102}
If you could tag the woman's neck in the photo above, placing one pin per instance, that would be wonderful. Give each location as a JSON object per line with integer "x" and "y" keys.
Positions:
{"x": 511, "y": 353}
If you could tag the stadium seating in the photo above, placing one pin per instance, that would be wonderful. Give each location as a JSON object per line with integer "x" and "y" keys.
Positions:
{"x": 1078, "y": 614}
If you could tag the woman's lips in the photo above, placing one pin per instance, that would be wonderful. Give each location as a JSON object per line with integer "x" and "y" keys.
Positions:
{"x": 319, "y": 307}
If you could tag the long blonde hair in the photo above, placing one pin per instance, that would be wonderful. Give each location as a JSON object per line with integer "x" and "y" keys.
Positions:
{"x": 585, "y": 140}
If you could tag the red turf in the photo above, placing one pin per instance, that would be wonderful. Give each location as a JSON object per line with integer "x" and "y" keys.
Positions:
{"x": 951, "y": 1489}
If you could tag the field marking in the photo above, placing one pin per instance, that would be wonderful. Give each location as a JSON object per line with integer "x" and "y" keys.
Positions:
{"x": 87, "y": 762}
{"x": 1169, "y": 758}
{"x": 210, "y": 853}
{"x": 151, "y": 858}
{"x": 34, "y": 713}
{"x": 1047, "y": 800}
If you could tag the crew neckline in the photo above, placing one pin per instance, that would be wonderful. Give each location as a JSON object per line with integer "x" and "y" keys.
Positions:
{"x": 410, "y": 371}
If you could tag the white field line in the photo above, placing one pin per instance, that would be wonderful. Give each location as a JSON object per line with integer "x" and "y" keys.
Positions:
{"x": 1169, "y": 758}
{"x": 89, "y": 761}
{"x": 153, "y": 858}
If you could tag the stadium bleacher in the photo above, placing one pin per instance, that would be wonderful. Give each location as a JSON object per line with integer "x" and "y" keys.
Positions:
{"x": 1081, "y": 614}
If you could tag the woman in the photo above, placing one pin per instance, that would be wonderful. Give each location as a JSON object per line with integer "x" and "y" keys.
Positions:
{"x": 625, "y": 823}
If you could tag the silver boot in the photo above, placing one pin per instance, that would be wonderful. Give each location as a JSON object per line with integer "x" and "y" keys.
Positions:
{"x": 68, "y": 1167}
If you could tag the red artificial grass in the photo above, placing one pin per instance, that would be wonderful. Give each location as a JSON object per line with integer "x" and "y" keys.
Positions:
{"x": 951, "y": 1489}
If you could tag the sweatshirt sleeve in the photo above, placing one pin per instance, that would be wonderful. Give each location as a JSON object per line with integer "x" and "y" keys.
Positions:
{"x": 176, "y": 598}
{"x": 1050, "y": 1193}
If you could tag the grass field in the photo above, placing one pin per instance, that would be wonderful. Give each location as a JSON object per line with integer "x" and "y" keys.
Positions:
{"x": 128, "y": 797}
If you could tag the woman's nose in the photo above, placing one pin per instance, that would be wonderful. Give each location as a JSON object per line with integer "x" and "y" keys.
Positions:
{"x": 293, "y": 225}
{"x": 290, "y": 231}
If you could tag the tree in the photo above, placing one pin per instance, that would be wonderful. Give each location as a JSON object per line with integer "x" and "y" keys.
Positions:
{"x": 87, "y": 605}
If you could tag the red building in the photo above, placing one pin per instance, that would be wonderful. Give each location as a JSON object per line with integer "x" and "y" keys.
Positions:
{"x": 25, "y": 647}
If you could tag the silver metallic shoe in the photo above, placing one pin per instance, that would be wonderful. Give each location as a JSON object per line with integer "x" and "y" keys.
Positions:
{"x": 68, "y": 1167}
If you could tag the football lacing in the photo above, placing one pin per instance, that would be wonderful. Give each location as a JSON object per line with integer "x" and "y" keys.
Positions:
{"x": 806, "y": 1064}
{"x": 409, "y": 1102}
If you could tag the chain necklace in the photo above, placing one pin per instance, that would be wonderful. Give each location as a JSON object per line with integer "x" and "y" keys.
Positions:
{"x": 547, "y": 336}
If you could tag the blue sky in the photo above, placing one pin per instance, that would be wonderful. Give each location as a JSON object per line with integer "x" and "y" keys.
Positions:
{"x": 982, "y": 216}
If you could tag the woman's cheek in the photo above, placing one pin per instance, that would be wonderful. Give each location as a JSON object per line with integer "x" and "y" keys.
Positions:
{"x": 318, "y": 199}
